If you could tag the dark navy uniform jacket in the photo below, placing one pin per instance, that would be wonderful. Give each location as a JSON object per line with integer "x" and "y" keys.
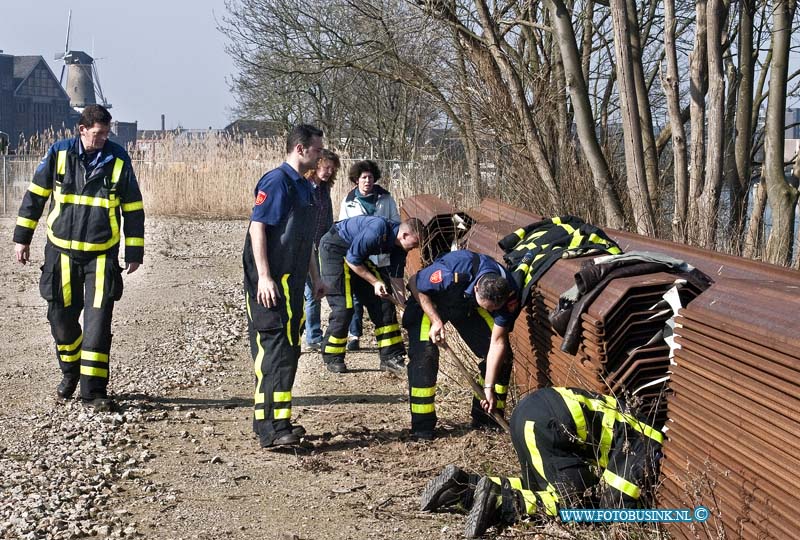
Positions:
{"x": 444, "y": 281}
{"x": 372, "y": 235}
{"x": 273, "y": 200}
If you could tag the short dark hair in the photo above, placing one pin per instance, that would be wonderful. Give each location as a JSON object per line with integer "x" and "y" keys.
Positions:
{"x": 301, "y": 134}
{"x": 361, "y": 167}
{"x": 416, "y": 227}
{"x": 94, "y": 114}
{"x": 494, "y": 288}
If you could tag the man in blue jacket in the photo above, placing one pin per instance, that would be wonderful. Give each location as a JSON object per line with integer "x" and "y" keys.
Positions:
{"x": 477, "y": 295}
{"x": 347, "y": 271}
{"x": 91, "y": 187}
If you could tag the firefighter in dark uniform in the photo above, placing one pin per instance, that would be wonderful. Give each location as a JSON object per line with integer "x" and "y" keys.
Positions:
{"x": 91, "y": 187}
{"x": 562, "y": 436}
{"x": 475, "y": 293}
{"x": 277, "y": 259}
{"x": 347, "y": 271}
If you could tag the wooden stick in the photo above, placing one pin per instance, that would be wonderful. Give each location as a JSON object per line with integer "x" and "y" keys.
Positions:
{"x": 474, "y": 385}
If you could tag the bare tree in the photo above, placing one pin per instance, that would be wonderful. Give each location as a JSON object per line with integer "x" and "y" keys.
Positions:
{"x": 781, "y": 196}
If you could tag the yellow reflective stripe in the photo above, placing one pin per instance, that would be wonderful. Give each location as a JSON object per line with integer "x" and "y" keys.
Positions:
{"x": 247, "y": 303}
{"x": 486, "y": 317}
{"x": 83, "y": 246}
{"x": 71, "y": 357}
{"x": 259, "y": 413}
{"x": 429, "y": 391}
{"x": 27, "y": 223}
{"x": 575, "y": 410}
{"x": 576, "y": 241}
{"x": 550, "y": 501}
{"x": 500, "y": 389}
{"x": 72, "y": 345}
{"x": 501, "y": 404}
{"x": 348, "y": 291}
{"x": 134, "y": 241}
{"x": 425, "y": 329}
{"x": 335, "y": 350}
{"x": 281, "y": 396}
{"x": 606, "y": 437}
{"x": 115, "y": 174}
{"x": 538, "y": 465}
{"x": 94, "y": 356}
{"x": 66, "y": 288}
{"x": 258, "y": 396}
{"x": 130, "y": 207}
{"x": 556, "y": 220}
{"x": 94, "y": 372}
{"x": 386, "y": 329}
{"x": 569, "y": 228}
{"x": 620, "y": 484}
{"x": 61, "y": 162}
{"x": 287, "y": 295}
{"x": 337, "y": 340}
{"x": 614, "y": 250}
{"x": 641, "y": 427}
{"x": 524, "y": 268}
{"x": 282, "y": 414}
{"x": 520, "y": 233}
{"x": 85, "y": 200}
{"x": 99, "y": 281}
{"x": 423, "y": 408}
{"x": 36, "y": 189}
{"x": 54, "y": 213}
{"x": 389, "y": 342}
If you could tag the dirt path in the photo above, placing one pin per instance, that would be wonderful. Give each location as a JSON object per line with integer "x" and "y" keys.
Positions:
{"x": 179, "y": 460}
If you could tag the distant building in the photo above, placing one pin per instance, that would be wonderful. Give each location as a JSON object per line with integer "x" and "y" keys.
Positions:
{"x": 31, "y": 98}
{"x": 124, "y": 133}
{"x": 256, "y": 128}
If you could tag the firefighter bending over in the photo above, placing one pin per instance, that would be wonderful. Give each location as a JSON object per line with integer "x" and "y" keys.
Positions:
{"x": 561, "y": 436}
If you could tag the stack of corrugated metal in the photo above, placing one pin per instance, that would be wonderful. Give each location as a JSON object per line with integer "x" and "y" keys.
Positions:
{"x": 735, "y": 413}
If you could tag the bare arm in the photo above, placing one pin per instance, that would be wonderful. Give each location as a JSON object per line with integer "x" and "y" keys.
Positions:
{"x": 267, "y": 294}
{"x": 498, "y": 351}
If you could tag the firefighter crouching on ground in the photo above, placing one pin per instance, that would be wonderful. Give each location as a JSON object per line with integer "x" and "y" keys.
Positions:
{"x": 561, "y": 436}
{"x": 91, "y": 186}
{"x": 476, "y": 294}
{"x": 277, "y": 258}
{"x": 346, "y": 271}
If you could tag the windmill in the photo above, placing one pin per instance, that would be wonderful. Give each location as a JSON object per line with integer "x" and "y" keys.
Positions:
{"x": 83, "y": 82}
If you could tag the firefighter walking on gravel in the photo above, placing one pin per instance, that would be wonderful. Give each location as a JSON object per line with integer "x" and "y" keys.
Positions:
{"x": 346, "y": 270}
{"x": 477, "y": 296}
{"x": 91, "y": 187}
{"x": 277, "y": 259}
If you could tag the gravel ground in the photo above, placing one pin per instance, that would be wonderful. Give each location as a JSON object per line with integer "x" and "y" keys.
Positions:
{"x": 178, "y": 459}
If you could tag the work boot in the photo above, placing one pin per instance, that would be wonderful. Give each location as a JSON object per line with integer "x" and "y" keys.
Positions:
{"x": 67, "y": 386}
{"x": 395, "y": 365}
{"x": 353, "y": 344}
{"x": 282, "y": 438}
{"x": 484, "y": 512}
{"x": 451, "y": 487}
{"x": 100, "y": 404}
{"x": 336, "y": 367}
{"x": 297, "y": 429}
{"x": 423, "y": 435}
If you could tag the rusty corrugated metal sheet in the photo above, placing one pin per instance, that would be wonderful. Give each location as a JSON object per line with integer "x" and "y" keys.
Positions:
{"x": 734, "y": 414}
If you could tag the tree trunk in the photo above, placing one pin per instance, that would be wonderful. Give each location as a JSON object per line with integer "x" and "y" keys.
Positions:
{"x": 672, "y": 91}
{"x": 781, "y": 197}
{"x": 643, "y": 101}
{"x": 740, "y": 184}
{"x": 562, "y": 27}
{"x": 586, "y": 46}
{"x": 517, "y": 95}
{"x": 697, "y": 112}
{"x": 709, "y": 202}
{"x": 755, "y": 229}
{"x": 634, "y": 150}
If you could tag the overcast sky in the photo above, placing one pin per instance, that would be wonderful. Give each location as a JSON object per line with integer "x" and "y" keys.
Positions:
{"x": 154, "y": 56}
